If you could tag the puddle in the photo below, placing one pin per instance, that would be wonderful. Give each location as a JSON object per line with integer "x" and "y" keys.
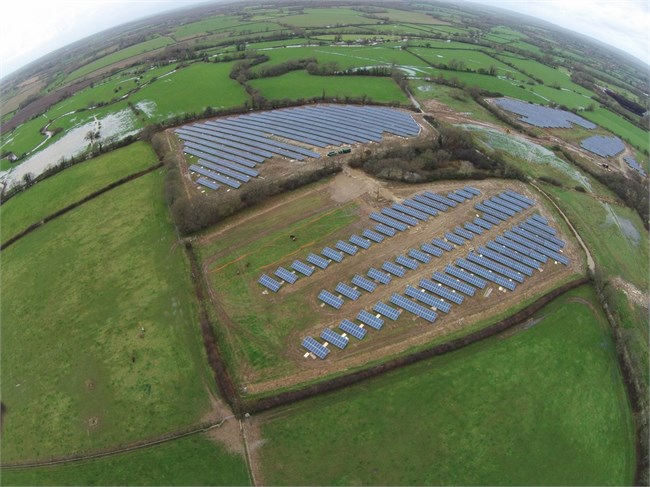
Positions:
{"x": 425, "y": 88}
{"x": 148, "y": 107}
{"x": 528, "y": 151}
{"x": 111, "y": 128}
{"x": 627, "y": 228}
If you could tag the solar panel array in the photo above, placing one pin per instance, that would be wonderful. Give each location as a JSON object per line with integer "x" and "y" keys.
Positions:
{"x": 353, "y": 329}
{"x": 522, "y": 249}
{"x": 485, "y": 274}
{"x": 541, "y": 116}
{"x": 442, "y": 244}
{"x": 430, "y": 249}
{"x": 318, "y": 261}
{"x": 441, "y": 291}
{"x": 480, "y": 222}
{"x": 364, "y": 283}
{"x": 393, "y": 269}
{"x": 495, "y": 267}
{"x": 453, "y": 283}
{"x": 427, "y": 299}
{"x": 389, "y": 222}
{"x": 208, "y": 183}
{"x": 370, "y": 319}
{"x": 332, "y": 254}
{"x": 454, "y": 238}
{"x": 399, "y": 216}
{"x": 361, "y": 242}
{"x": 422, "y": 207}
{"x": 385, "y": 229}
{"x": 508, "y": 252}
{"x": 316, "y": 348}
{"x": 387, "y": 311}
{"x": 419, "y": 255}
{"x": 465, "y": 276}
{"x": 472, "y": 227}
{"x": 285, "y": 275}
{"x": 347, "y": 291}
{"x": 603, "y": 146}
{"x": 334, "y": 338}
{"x": 269, "y": 283}
{"x": 631, "y": 162}
{"x": 407, "y": 210}
{"x": 302, "y": 268}
{"x": 374, "y": 236}
{"x": 463, "y": 233}
{"x": 416, "y": 309}
{"x": 328, "y": 298}
{"x": 346, "y": 247}
{"x": 502, "y": 259}
{"x": 541, "y": 226}
{"x": 379, "y": 276}
{"x": 406, "y": 262}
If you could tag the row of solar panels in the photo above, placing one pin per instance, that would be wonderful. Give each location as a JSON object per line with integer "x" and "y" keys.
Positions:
{"x": 494, "y": 262}
{"x": 631, "y": 162}
{"x": 383, "y": 229}
{"x": 603, "y": 146}
{"x": 541, "y": 116}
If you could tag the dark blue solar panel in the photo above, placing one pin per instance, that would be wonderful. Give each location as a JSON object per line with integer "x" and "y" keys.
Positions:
{"x": 465, "y": 276}
{"x": 379, "y": 276}
{"x": 456, "y": 197}
{"x": 491, "y": 203}
{"x": 416, "y": 309}
{"x": 372, "y": 235}
{"x": 226, "y": 141}
{"x": 229, "y": 165}
{"x": 420, "y": 198}
{"x": 388, "y": 221}
{"x": 353, "y": 329}
{"x": 347, "y": 291}
{"x": 508, "y": 252}
{"x": 513, "y": 201}
{"x": 442, "y": 244}
{"x": 539, "y": 218}
{"x": 219, "y": 170}
{"x": 542, "y": 226}
{"x": 302, "y": 268}
{"x": 334, "y": 338}
{"x": 506, "y": 242}
{"x": 208, "y": 183}
{"x": 419, "y": 255}
{"x": 536, "y": 238}
{"x": 409, "y": 220}
{"x": 633, "y": 164}
{"x": 441, "y": 290}
{"x": 489, "y": 211}
{"x": 215, "y": 153}
{"x": 506, "y": 204}
{"x": 202, "y": 154}
{"x": 209, "y": 142}
{"x": 346, "y": 247}
{"x": 473, "y": 190}
{"x": 328, "y": 298}
{"x": 318, "y": 261}
{"x": 406, "y": 262}
{"x": 486, "y": 274}
{"x": 512, "y": 263}
{"x": 463, "y": 233}
{"x": 422, "y": 207}
{"x": 364, "y": 283}
{"x": 370, "y": 319}
{"x": 482, "y": 223}
{"x": 430, "y": 249}
{"x": 386, "y": 230}
{"x": 453, "y": 283}
{"x": 537, "y": 248}
{"x": 332, "y": 254}
{"x": 533, "y": 229}
{"x": 519, "y": 196}
{"x": 603, "y": 146}
{"x": 275, "y": 129}
{"x": 407, "y": 210}
{"x": 454, "y": 238}
{"x": 316, "y": 348}
{"x": 327, "y": 122}
{"x": 440, "y": 199}
{"x": 428, "y": 299}
{"x": 465, "y": 194}
{"x": 270, "y": 283}
{"x": 474, "y": 228}
{"x": 387, "y": 311}
{"x": 542, "y": 116}
{"x": 285, "y": 275}
{"x": 393, "y": 269}
{"x": 495, "y": 267}
{"x": 217, "y": 177}
{"x": 490, "y": 219}
{"x": 361, "y": 242}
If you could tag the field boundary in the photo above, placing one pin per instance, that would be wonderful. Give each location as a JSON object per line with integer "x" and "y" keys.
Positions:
{"x": 78, "y": 203}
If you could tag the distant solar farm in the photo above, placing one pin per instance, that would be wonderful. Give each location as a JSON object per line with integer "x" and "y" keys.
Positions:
{"x": 541, "y": 116}
{"x": 229, "y": 150}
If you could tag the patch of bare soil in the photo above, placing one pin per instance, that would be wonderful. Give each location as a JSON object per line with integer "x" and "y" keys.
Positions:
{"x": 254, "y": 441}
{"x": 226, "y": 432}
{"x": 633, "y": 293}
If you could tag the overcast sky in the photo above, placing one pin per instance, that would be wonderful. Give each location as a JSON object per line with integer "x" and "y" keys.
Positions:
{"x": 32, "y": 28}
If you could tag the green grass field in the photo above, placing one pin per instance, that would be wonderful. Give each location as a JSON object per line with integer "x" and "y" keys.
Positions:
{"x": 78, "y": 373}
{"x": 324, "y": 17}
{"x": 545, "y": 406}
{"x": 71, "y": 185}
{"x": 299, "y": 84}
{"x": 211, "y": 24}
{"x": 196, "y": 460}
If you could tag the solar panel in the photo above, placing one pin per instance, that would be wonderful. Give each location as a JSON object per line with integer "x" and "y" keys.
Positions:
{"x": 442, "y": 291}
{"x": 379, "y": 276}
{"x": 215, "y": 152}
{"x": 230, "y": 165}
{"x": 520, "y": 197}
{"x": 419, "y": 255}
{"x": 490, "y": 219}
{"x": 370, "y": 319}
{"x": 474, "y": 228}
{"x": 463, "y": 233}
{"x": 227, "y": 141}
{"x": 420, "y": 215}
{"x": 388, "y": 221}
{"x": 442, "y": 244}
{"x": 332, "y": 254}
{"x": 316, "y": 348}
{"x": 430, "y": 249}
{"x": 465, "y": 194}
{"x": 207, "y": 142}
{"x": 486, "y": 274}
{"x": 508, "y": 252}
{"x": 542, "y": 116}
{"x": 406, "y": 262}
{"x": 346, "y": 247}
{"x": 490, "y": 211}
{"x": 217, "y": 177}
{"x": 399, "y": 216}
{"x": 541, "y": 233}
{"x": 328, "y": 298}
{"x": 427, "y": 299}
{"x": 506, "y": 204}
{"x": 440, "y": 199}
{"x": 420, "y": 198}
{"x": 387, "y": 311}
{"x": 535, "y": 238}
{"x": 539, "y": 218}
{"x": 361, "y": 242}
{"x": 285, "y": 275}
{"x": 492, "y": 203}
{"x": 533, "y": 246}
{"x": 416, "y": 309}
{"x": 225, "y": 171}
{"x": 456, "y": 197}
{"x": 471, "y": 189}
{"x": 302, "y": 268}
{"x": 542, "y": 226}
{"x": 465, "y": 276}
{"x": 364, "y": 283}
{"x": 632, "y": 164}
{"x": 386, "y": 230}
{"x": 334, "y": 338}
{"x": 374, "y": 236}
{"x": 482, "y": 223}
{"x": 603, "y": 146}
{"x": 495, "y": 267}
{"x": 393, "y": 269}
{"x": 514, "y": 201}
{"x": 208, "y": 183}
{"x": 422, "y": 207}
{"x": 353, "y": 329}
{"x": 453, "y": 283}
{"x": 506, "y": 242}
{"x": 318, "y": 261}
{"x": 512, "y": 263}
{"x": 454, "y": 239}
{"x": 347, "y": 291}
{"x": 269, "y": 283}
